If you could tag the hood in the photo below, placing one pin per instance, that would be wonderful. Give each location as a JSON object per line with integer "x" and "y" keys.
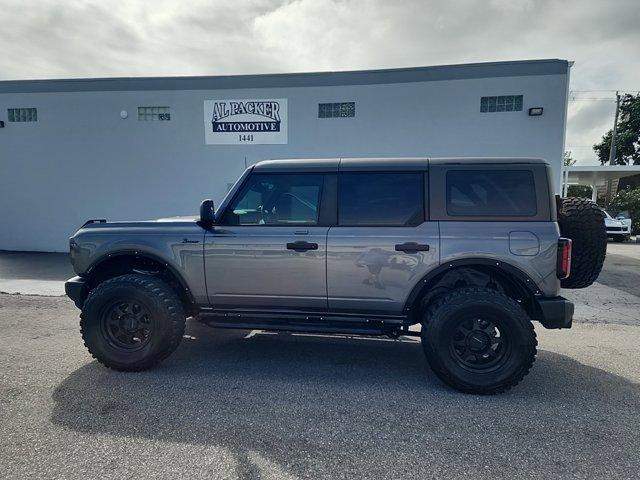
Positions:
{"x": 176, "y": 218}
{"x": 179, "y": 218}
{"x": 625, "y": 221}
{"x": 611, "y": 222}
{"x": 167, "y": 222}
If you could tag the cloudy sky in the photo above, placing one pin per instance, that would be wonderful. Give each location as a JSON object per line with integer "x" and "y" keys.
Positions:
{"x": 68, "y": 39}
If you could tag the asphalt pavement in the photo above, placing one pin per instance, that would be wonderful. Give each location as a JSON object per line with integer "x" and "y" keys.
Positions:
{"x": 622, "y": 267}
{"x": 247, "y": 404}
{"x": 239, "y": 404}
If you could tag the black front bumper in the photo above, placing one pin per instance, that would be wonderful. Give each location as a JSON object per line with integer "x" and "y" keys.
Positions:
{"x": 555, "y": 312}
{"x": 76, "y": 290}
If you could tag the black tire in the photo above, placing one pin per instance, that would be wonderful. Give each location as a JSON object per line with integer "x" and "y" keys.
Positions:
{"x": 132, "y": 322}
{"x": 465, "y": 362}
{"x": 582, "y": 221}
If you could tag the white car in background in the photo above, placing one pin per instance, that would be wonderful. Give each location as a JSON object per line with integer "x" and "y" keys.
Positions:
{"x": 619, "y": 228}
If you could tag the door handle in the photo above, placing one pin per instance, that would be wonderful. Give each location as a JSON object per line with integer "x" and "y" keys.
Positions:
{"x": 301, "y": 246}
{"x": 412, "y": 247}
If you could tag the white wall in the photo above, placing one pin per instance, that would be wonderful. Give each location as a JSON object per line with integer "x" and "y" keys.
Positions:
{"x": 80, "y": 160}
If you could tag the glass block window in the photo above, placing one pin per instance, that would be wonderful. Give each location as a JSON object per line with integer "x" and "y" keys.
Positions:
{"x": 23, "y": 114}
{"x": 148, "y": 114}
{"x": 505, "y": 103}
{"x": 336, "y": 110}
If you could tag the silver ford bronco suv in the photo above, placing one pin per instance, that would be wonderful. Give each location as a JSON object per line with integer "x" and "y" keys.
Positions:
{"x": 464, "y": 253}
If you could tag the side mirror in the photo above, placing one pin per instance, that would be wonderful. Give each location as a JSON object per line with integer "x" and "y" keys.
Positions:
{"x": 207, "y": 219}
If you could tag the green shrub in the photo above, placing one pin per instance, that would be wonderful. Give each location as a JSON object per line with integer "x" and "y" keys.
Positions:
{"x": 628, "y": 199}
{"x": 582, "y": 191}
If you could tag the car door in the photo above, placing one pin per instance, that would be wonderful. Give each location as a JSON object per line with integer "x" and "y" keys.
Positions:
{"x": 382, "y": 245}
{"x": 269, "y": 248}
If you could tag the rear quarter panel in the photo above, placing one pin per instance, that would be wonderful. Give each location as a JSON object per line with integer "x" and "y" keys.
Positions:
{"x": 511, "y": 242}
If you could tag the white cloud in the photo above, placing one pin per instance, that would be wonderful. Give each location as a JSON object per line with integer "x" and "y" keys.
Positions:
{"x": 56, "y": 38}
{"x": 588, "y": 120}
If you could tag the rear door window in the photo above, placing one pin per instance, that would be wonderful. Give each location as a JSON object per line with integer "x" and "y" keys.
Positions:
{"x": 380, "y": 199}
{"x": 491, "y": 193}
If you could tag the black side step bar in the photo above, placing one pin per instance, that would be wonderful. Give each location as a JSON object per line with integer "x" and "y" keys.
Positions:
{"x": 306, "y": 322}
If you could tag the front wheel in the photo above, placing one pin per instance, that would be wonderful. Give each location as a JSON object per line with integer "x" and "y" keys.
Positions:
{"x": 478, "y": 340}
{"x": 132, "y": 322}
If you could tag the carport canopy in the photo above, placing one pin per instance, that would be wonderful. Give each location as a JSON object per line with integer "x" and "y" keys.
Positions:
{"x": 594, "y": 175}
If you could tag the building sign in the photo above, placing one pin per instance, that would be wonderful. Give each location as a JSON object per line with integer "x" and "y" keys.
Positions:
{"x": 235, "y": 122}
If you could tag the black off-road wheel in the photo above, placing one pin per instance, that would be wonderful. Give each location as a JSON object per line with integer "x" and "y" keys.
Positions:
{"x": 582, "y": 221}
{"x": 132, "y": 322}
{"x": 478, "y": 340}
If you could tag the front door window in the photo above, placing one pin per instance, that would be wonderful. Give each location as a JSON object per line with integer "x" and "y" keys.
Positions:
{"x": 277, "y": 199}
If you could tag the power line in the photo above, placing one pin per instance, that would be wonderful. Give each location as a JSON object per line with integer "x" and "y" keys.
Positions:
{"x": 576, "y": 98}
{"x": 613, "y": 91}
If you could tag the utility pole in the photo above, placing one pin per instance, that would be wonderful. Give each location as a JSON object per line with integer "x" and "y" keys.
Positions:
{"x": 612, "y": 149}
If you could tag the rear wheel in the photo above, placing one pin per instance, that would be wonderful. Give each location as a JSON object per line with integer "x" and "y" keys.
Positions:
{"x": 478, "y": 340}
{"x": 132, "y": 322}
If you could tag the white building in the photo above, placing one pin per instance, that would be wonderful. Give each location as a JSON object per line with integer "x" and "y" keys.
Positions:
{"x": 141, "y": 148}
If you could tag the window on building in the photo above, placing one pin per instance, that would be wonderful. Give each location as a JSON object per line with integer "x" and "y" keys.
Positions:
{"x": 23, "y": 114}
{"x": 505, "y": 103}
{"x": 277, "y": 199}
{"x": 389, "y": 198}
{"x": 153, "y": 113}
{"x": 336, "y": 110}
{"x": 491, "y": 193}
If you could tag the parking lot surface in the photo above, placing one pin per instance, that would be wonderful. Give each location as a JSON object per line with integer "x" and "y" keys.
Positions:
{"x": 240, "y": 404}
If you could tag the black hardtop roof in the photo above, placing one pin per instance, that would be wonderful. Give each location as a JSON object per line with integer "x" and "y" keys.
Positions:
{"x": 381, "y": 164}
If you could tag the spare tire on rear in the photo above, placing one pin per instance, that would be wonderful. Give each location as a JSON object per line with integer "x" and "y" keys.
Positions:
{"x": 582, "y": 221}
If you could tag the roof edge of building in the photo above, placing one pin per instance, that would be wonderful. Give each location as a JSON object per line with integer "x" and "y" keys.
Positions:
{"x": 515, "y": 68}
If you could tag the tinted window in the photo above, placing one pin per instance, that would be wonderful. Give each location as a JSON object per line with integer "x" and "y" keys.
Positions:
{"x": 491, "y": 193}
{"x": 277, "y": 199}
{"x": 381, "y": 198}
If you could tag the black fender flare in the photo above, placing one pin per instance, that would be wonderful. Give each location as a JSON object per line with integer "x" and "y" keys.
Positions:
{"x": 142, "y": 254}
{"x": 420, "y": 287}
